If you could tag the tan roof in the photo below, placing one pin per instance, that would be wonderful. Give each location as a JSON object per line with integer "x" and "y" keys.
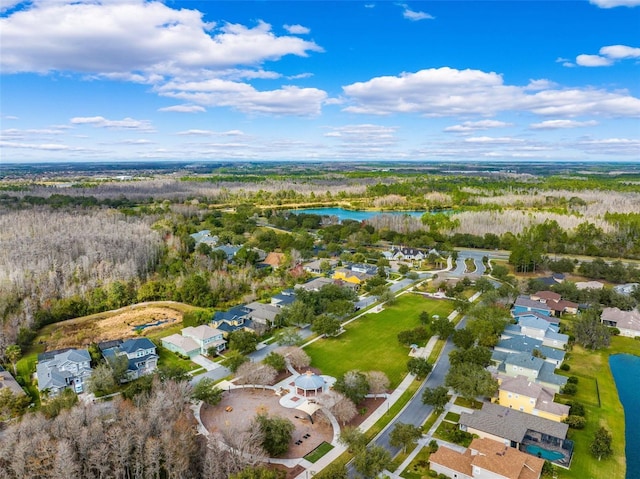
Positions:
{"x": 544, "y": 396}
{"x": 7, "y": 381}
{"x": 504, "y": 460}
{"x": 201, "y": 332}
{"x": 454, "y": 460}
{"x": 274, "y": 259}
{"x": 546, "y": 296}
{"x": 184, "y": 343}
{"x": 622, "y": 319}
{"x": 491, "y": 456}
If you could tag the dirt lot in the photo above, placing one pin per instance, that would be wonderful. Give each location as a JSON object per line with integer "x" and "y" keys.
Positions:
{"x": 104, "y": 327}
{"x": 246, "y": 403}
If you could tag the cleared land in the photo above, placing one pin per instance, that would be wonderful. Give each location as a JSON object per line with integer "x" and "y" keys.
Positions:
{"x": 371, "y": 343}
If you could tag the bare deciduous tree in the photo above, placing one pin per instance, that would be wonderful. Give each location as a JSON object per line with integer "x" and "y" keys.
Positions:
{"x": 256, "y": 374}
{"x": 378, "y": 382}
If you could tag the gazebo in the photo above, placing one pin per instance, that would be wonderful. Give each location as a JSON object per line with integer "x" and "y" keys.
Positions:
{"x": 309, "y": 382}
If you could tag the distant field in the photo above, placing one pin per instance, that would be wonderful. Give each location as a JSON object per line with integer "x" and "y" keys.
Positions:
{"x": 370, "y": 343}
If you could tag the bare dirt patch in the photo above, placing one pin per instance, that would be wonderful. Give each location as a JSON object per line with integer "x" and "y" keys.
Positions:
{"x": 82, "y": 332}
{"x": 245, "y": 404}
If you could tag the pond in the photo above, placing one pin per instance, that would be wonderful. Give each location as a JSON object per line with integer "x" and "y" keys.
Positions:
{"x": 626, "y": 372}
{"x": 357, "y": 215}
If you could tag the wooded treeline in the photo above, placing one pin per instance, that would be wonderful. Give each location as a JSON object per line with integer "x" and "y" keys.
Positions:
{"x": 153, "y": 436}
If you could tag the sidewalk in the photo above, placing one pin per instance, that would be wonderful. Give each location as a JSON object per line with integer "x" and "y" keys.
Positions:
{"x": 391, "y": 399}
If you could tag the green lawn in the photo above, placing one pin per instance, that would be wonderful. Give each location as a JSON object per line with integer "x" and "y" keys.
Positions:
{"x": 589, "y": 367}
{"x": 419, "y": 467}
{"x": 370, "y": 343}
{"x": 318, "y": 452}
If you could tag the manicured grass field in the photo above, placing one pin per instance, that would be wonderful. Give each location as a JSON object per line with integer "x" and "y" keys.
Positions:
{"x": 318, "y": 452}
{"x": 590, "y": 366}
{"x": 370, "y": 343}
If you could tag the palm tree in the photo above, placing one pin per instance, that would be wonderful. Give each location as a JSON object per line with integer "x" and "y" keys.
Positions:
{"x": 13, "y": 354}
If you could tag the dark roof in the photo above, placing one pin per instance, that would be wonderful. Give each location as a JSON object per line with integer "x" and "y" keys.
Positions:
{"x": 511, "y": 424}
{"x": 136, "y": 344}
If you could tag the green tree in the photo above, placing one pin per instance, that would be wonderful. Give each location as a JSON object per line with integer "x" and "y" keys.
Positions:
{"x": 12, "y": 405}
{"x": 437, "y": 397}
{"x": 288, "y": 336}
{"x": 387, "y": 297}
{"x": 334, "y": 470}
{"x": 601, "y": 445}
{"x": 425, "y": 318}
{"x": 404, "y": 435}
{"x": 326, "y": 325}
{"x": 403, "y": 269}
{"x": 119, "y": 366}
{"x": 471, "y": 380}
{"x": 590, "y": 332}
{"x": 276, "y": 433}
{"x": 206, "y": 390}
{"x": 13, "y": 353}
{"x": 442, "y": 327}
{"x": 276, "y": 361}
{"x": 419, "y": 367}
{"x": 298, "y": 313}
{"x": 463, "y": 338}
{"x": 243, "y": 341}
{"x": 372, "y": 461}
{"x": 353, "y": 438}
{"x": 101, "y": 381}
{"x": 255, "y": 473}
{"x": 474, "y": 355}
{"x": 234, "y": 359}
{"x": 354, "y": 385}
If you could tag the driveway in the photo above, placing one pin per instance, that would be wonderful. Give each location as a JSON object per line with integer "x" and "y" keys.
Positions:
{"x": 205, "y": 363}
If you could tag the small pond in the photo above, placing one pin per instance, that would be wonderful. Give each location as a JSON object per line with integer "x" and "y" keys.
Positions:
{"x": 357, "y": 215}
{"x": 626, "y": 372}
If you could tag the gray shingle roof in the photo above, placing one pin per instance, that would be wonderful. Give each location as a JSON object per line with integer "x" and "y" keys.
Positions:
{"x": 511, "y": 424}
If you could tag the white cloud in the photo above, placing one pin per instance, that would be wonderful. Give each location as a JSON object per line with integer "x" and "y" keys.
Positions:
{"x": 486, "y": 140}
{"x": 39, "y": 146}
{"x": 133, "y": 36}
{"x": 211, "y": 133}
{"x": 300, "y": 76}
{"x": 124, "y": 124}
{"x": 296, "y": 29}
{"x": 450, "y": 92}
{"x": 561, "y": 124}
{"x": 136, "y": 141}
{"x": 542, "y": 84}
{"x": 593, "y": 61}
{"x": 184, "y": 108}
{"x": 610, "y": 146}
{"x": 619, "y": 52}
{"x": 289, "y": 100}
{"x": 8, "y": 4}
{"x": 471, "y": 126}
{"x": 615, "y": 3}
{"x": 608, "y": 56}
{"x": 413, "y": 15}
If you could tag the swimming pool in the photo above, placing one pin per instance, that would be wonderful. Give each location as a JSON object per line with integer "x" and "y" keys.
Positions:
{"x": 544, "y": 453}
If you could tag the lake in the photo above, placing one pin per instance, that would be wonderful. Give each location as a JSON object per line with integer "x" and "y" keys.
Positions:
{"x": 357, "y": 215}
{"x": 626, "y": 372}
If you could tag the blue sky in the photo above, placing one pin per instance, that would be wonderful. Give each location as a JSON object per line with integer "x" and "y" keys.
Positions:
{"x": 103, "y": 80}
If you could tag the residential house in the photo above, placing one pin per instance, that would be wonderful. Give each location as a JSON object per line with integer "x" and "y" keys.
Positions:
{"x": 7, "y": 382}
{"x": 527, "y": 396}
{"x": 555, "y": 278}
{"x": 315, "y": 284}
{"x": 404, "y": 253}
{"x": 628, "y": 322}
{"x": 140, "y": 352}
{"x": 484, "y": 459}
{"x": 533, "y": 368}
{"x": 349, "y": 276}
{"x": 524, "y": 304}
{"x": 544, "y": 296}
{"x": 275, "y": 260}
{"x": 181, "y": 345}
{"x": 563, "y": 306}
{"x": 284, "y": 298}
{"x": 524, "y": 344}
{"x": 229, "y": 250}
{"x": 533, "y": 314}
{"x": 195, "y": 340}
{"x": 262, "y": 313}
{"x": 233, "y": 319}
{"x": 315, "y": 266}
{"x": 626, "y": 289}
{"x": 537, "y": 328}
{"x": 589, "y": 285}
{"x": 363, "y": 268}
{"x": 206, "y": 337}
{"x": 205, "y": 237}
{"x": 525, "y": 432}
{"x": 59, "y": 370}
